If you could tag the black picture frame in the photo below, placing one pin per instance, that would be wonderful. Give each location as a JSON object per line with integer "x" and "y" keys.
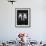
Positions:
{"x": 22, "y": 17}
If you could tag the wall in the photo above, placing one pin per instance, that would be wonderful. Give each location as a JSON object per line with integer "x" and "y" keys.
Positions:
{"x": 8, "y": 31}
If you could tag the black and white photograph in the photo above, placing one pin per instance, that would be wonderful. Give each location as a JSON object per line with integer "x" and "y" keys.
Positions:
{"x": 22, "y": 17}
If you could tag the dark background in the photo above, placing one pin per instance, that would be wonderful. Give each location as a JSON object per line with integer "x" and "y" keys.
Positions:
{"x": 19, "y": 21}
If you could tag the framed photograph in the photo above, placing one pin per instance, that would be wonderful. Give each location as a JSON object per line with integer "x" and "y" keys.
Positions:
{"x": 22, "y": 17}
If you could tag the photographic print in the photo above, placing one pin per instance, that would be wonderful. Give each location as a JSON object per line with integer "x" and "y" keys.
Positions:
{"x": 22, "y": 16}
